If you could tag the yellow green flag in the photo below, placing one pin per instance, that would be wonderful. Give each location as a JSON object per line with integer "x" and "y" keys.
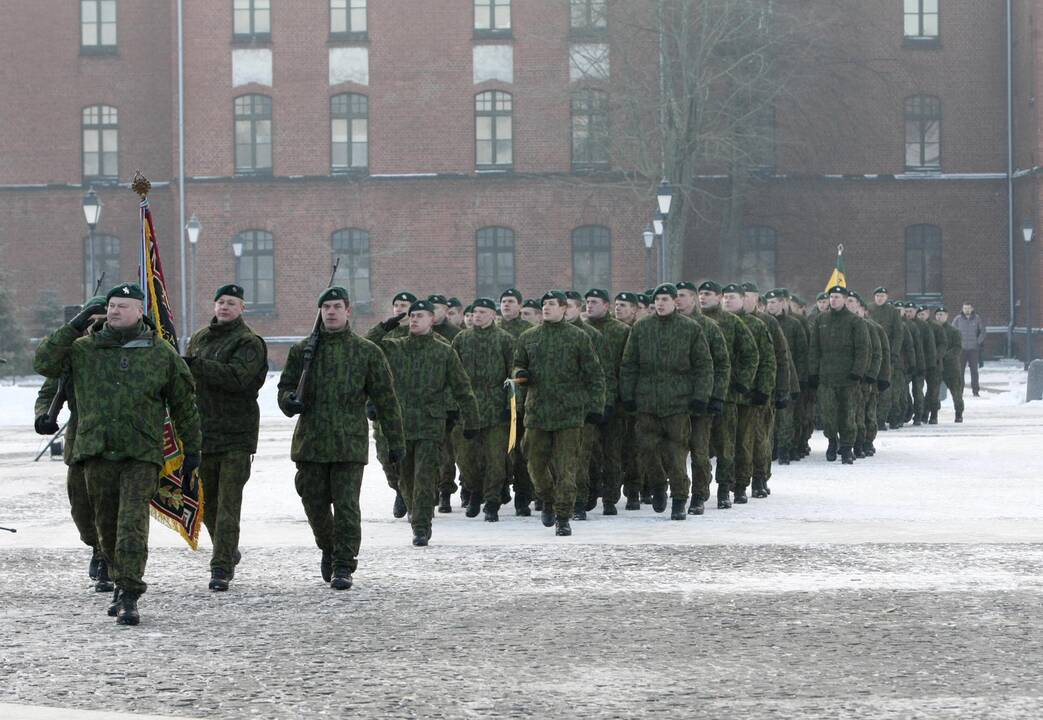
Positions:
{"x": 838, "y": 277}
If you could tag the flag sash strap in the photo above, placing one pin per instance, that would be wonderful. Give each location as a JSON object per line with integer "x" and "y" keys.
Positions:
{"x": 512, "y": 436}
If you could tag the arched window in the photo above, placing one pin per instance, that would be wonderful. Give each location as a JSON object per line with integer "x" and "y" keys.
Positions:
{"x": 103, "y": 257}
{"x": 589, "y": 128}
{"x": 755, "y": 257}
{"x": 349, "y": 132}
{"x": 923, "y": 261}
{"x": 494, "y": 254}
{"x": 253, "y": 134}
{"x": 255, "y": 268}
{"x": 351, "y": 246}
{"x": 100, "y": 125}
{"x": 591, "y": 258}
{"x": 923, "y": 133}
{"x": 493, "y": 131}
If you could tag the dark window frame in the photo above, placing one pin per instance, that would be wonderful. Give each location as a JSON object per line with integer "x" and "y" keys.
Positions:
{"x": 249, "y": 238}
{"x": 587, "y": 28}
{"x": 356, "y": 258}
{"x": 915, "y": 110}
{"x": 350, "y": 34}
{"x": 100, "y": 127}
{"x": 101, "y": 260}
{"x": 494, "y": 114}
{"x": 921, "y": 40}
{"x": 253, "y": 118}
{"x": 592, "y": 239}
{"x": 926, "y": 241}
{"x": 498, "y": 240}
{"x": 99, "y": 48}
{"x": 590, "y": 97}
{"x": 252, "y": 37}
{"x": 350, "y": 116}
{"x": 758, "y": 242}
{"x": 494, "y": 30}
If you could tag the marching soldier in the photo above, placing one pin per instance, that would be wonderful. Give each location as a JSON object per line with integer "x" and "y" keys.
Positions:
{"x": 331, "y": 440}
{"x": 447, "y": 463}
{"x": 531, "y": 312}
{"x": 126, "y": 378}
{"x": 511, "y": 318}
{"x": 229, "y": 363}
{"x": 883, "y": 376}
{"x": 517, "y": 316}
{"x": 625, "y": 309}
{"x": 932, "y": 402}
{"x": 565, "y": 388}
{"x": 951, "y": 371}
{"x": 925, "y": 362}
{"x": 804, "y": 415}
{"x": 454, "y": 313}
{"x": 778, "y": 303}
{"x": 890, "y": 319}
{"x": 862, "y": 392}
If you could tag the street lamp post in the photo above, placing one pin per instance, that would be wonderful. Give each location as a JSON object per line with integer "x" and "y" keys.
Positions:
{"x": 193, "y": 228}
{"x": 649, "y": 237}
{"x": 1028, "y": 229}
{"x": 92, "y": 214}
{"x": 664, "y": 199}
{"x": 659, "y": 228}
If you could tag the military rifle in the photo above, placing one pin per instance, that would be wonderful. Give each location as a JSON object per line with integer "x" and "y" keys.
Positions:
{"x": 297, "y": 395}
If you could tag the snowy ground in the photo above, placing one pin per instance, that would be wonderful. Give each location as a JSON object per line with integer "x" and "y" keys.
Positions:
{"x": 905, "y": 586}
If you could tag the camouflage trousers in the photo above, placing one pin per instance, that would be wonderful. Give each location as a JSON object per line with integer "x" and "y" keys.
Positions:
{"x": 664, "y": 441}
{"x": 932, "y": 397}
{"x": 872, "y": 412}
{"x": 953, "y": 379}
{"x": 897, "y": 397}
{"x": 80, "y": 503}
{"x": 633, "y": 482}
{"x": 786, "y": 422}
{"x": 918, "y": 396}
{"x": 517, "y": 466}
{"x": 860, "y": 412}
{"x": 120, "y": 491}
{"x": 553, "y": 457}
{"x": 808, "y": 403}
{"x": 330, "y": 495}
{"x": 223, "y": 476}
{"x": 447, "y": 463}
{"x": 418, "y": 480}
{"x": 838, "y": 412}
{"x": 699, "y": 445}
{"x": 749, "y": 441}
{"x": 483, "y": 461}
{"x": 606, "y": 460}
{"x": 763, "y": 439}
{"x": 588, "y": 438}
{"x": 390, "y": 468}
{"x": 722, "y": 446}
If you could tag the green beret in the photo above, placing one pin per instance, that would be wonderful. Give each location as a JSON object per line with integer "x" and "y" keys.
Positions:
{"x": 798, "y": 299}
{"x": 940, "y": 308}
{"x": 96, "y": 300}
{"x": 530, "y": 303}
{"x": 732, "y": 288}
{"x": 855, "y": 295}
{"x": 419, "y": 305}
{"x": 774, "y": 294}
{"x": 649, "y": 292}
{"x": 665, "y": 289}
{"x": 839, "y": 289}
{"x": 900, "y": 304}
{"x": 455, "y": 302}
{"x": 784, "y": 292}
{"x": 126, "y": 290}
{"x": 334, "y": 292}
{"x": 404, "y": 296}
{"x": 511, "y": 292}
{"x": 484, "y": 302}
{"x": 232, "y": 290}
{"x": 559, "y": 295}
{"x": 710, "y": 286}
{"x": 822, "y": 296}
{"x": 921, "y": 308}
{"x": 626, "y": 297}
{"x": 469, "y": 309}
{"x": 643, "y": 299}
{"x": 685, "y": 285}
{"x": 880, "y": 290}
{"x": 750, "y": 287}
{"x": 437, "y": 300}
{"x": 573, "y": 295}
{"x": 597, "y": 293}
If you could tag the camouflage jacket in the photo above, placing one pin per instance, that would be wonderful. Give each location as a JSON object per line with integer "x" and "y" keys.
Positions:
{"x": 125, "y": 383}
{"x": 839, "y": 348}
{"x": 916, "y": 348}
{"x": 43, "y": 404}
{"x": 930, "y": 350}
{"x": 566, "y": 382}
{"x": 797, "y": 342}
{"x": 764, "y": 380}
{"x": 614, "y": 335}
{"x": 890, "y": 319}
{"x": 666, "y": 365}
{"x": 785, "y": 374}
{"x": 884, "y": 372}
{"x": 941, "y": 342}
{"x": 953, "y": 349}
{"x": 445, "y": 328}
{"x": 597, "y": 340}
{"x": 427, "y": 375}
{"x": 875, "y": 351}
{"x": 230, "y": 366}
{"x": 346, "y": 371}
{"x": 487, "y": 355}
{"x": 515, "y": 327}
{"x": 910, "y": 356}
{"x": 722, "y": 363}
{"x": 742, "y": 351}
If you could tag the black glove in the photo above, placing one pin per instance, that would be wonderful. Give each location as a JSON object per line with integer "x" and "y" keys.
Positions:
{"x": 451, "y": 416}
{"x": 882, "y": 385}
{"x": 813, "y": 381}
{"x": 396, "y": 455}
{"x": 292, "y": 406}
{"x": 522, "y": 375}
{"x": 696, "y": 407}
{"x": 371, "y": 411}
{"x": 83, "y": 317}
{"x": 45, "y": 426}
{"x": 593, "y": 419}
{"x": 740, "y": 389}
{"x": 189, "y": 466}
{"x": 470, "y": 434}
{"x": 781, "y": 403}
{"x": 392, "y": 323}
{"x": 854, "y": 378}
{"x": 758, "y": 397}
{"x": 630, "y": 406}
{"x": 868, "y": 380}
{"x": 715, "y": 406}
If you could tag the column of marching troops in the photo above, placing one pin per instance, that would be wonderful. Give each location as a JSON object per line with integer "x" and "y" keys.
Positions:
{"x": 565, "y": 400}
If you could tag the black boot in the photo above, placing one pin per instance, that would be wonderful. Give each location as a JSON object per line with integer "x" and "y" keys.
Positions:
{"x": 740, "y": 496}
{"x": 859, "y": 452}
{"x": 831, "y": 451}
{"x": 933, "y": 420}
{"x": 537, "y": 505}
{"x": 633, "y": 503}
{"x": 547, "y": 515}
{"x": 609, "y": 508}
{"x": 103, "y": 583}
{"x": 399, "y": 510}
{"x": 341, "y": 579}
{"x": 758, "y": 489}
{"x": 421, "y": 538}
{"x": 492, "y": 512}
{"x": 114, "y": 606}
{"x": 959, "y": 417}
{"x": 235, "y": 563}
{"x": 92, "y": 568}
{"x": 580, "y": 511}
{"x": 765, "y": 488}
{"x": 561, "y": 526}
{"x": 326, "y": 566}
{"x": 723, "y": 500}
{"x": 847, "y": 455}
{"x": 218, "y": 580}
{"x": 465, "y": 497}
{"x": 881, "y": 426}
{"x": 474, "y": 505}
{"x": 128, "y": 610}
{"x": 445, "y": 503}
{"x": 505, "y": 494}
{"x": 646, "y": 498}
{"x": 521, "y": 505}
{"x": 868, "y": 448}
{"x": 916, "y": 421}
{"x": 697, "y": 506}
{"x": 659, "y": 499}
{"x": 677, "y": 509}
{"x": 783, "y": 457}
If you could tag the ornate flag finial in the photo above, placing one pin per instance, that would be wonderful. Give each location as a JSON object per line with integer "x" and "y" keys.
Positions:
{"x": 140, "y": 185}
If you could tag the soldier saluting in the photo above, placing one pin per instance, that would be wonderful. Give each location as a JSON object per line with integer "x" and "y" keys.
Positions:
{"x": 126, "y": 378}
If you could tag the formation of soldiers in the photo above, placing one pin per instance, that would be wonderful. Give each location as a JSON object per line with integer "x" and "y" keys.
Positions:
{"x": 556, "y": 403}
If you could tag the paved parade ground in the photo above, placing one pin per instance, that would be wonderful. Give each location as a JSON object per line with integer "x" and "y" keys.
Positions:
{"x": 907, "y": 586}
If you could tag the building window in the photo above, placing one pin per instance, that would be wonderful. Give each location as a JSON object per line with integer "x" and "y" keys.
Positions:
{"x": 589, "y": 129}
{"x": 98, "y": 26}
{"x": 923, "y": 133}
{"x": 255, "y": 269}
{"x": 106, "y": 259}
{"x": 253, "y": 134}
{"x": 921, "y": 20}
{"x": 588, "y": 16}
{"x": 100, "y": 126}
{"x": 494, "y": 261}
{"x": 754, "y": 257}
{"x": 252, "y": 20}
{"x": 351, "y": 246}
{"x": 348, "y": 17}
{"x": 591, "y": 258}
{"x": 492, "y": 16}
{"x": 493, "y": 129}
{"x": 349, "y": 132}
{"x": 923, "y": 261}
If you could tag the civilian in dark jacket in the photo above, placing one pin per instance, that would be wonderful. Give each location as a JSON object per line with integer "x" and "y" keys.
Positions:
{"x": 972, "y": 337}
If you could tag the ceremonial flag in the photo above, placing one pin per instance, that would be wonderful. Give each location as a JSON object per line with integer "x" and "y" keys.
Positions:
{"x": 177, "y": 504}
{"x": 512, "y": 436}
{"x": 838, "y": 277}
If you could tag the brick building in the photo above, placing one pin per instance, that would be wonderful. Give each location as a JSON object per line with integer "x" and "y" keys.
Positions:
{"x": 447, "y": 145}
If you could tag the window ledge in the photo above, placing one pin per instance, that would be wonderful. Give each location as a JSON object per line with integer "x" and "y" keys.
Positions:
{"x": 100, "y": 181}
{"x": 264, "y": 40}
{"x": 921, "y": 43}
{"x": 102, "y": 50}
{"x": 494, "y": 169}
{"x": 348, "y": 38}
{"x": 349, "y": 172}
{"x": 924, "y": 170}
{"x": 487, "y": 34}
{"x": 266, "y": 173}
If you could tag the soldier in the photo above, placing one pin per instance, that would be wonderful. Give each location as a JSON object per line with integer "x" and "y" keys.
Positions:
{"x": 607, "y": 459}
{"x": 926, "y": 364}
{"x": 447, "y": 464}
{"x": 126, "y": 379}
{"x": 625, "y": 309}
{"x": 666, "y": 377}
{"x": 468, "y": 313}
{"x": 330, "y": 442}
{"x": 699, "y": 438}
{"x": 744, "y": 361}
{"x": 862, "y": 392}
{"x": 932, "y": 403}
{"x": 229, "y": 363}
{"x": 804, "y": 413}
{"x": 565, "y": 389}
{"x": 512, "y": 307}
{"x": 454, "y": 313}
{"x": 75, "y": 481}
{"x": 837, "y": 361}
{"x": 644, "y": 306}
{"x": 890, "y": 319}
{"x": 911, "y": 360}
{"x": 426, "y": 372}
{"x": 778, "y": 305}
{"x": 883, "y": 383}
{"x": 951, "y": 371}
{"x": 487, "y": 353}
{"x": 531, "y": 312}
